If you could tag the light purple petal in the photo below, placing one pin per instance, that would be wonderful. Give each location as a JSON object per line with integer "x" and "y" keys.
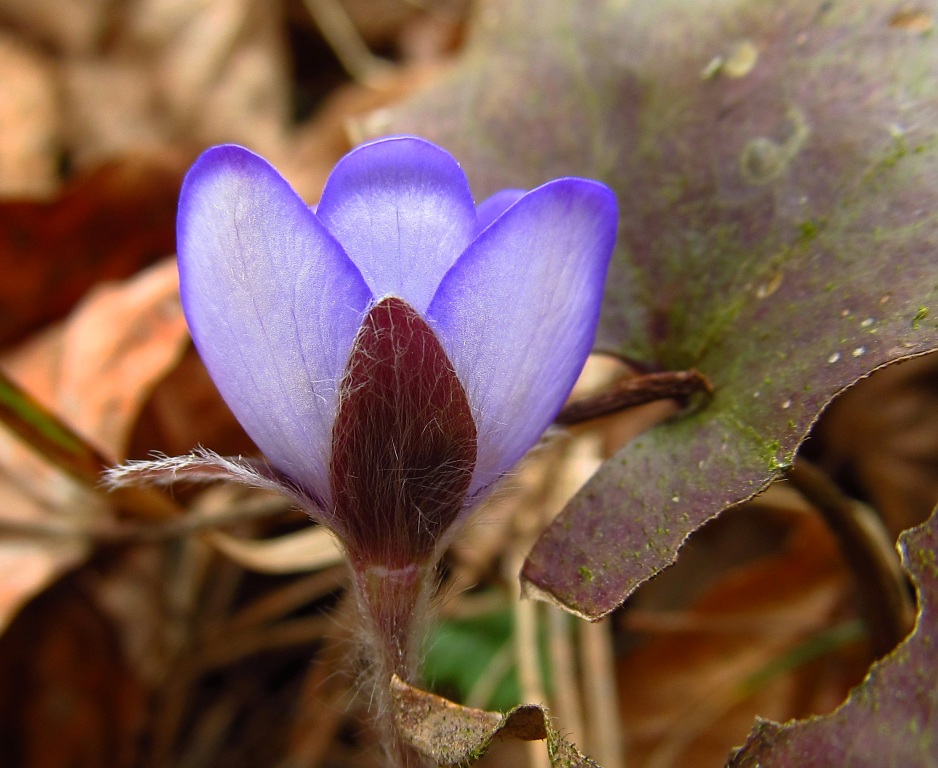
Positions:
{"x": 517, "y": 314}
{"x": 402, "y": 209}
{"x": 273, "y": 304}
{"x": 493, "y": 207}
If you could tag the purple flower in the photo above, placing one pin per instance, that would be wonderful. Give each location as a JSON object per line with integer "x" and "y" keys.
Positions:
{"x": 397, "y": 350}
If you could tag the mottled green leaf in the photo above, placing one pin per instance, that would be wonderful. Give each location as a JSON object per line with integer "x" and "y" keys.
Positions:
{"x": 777, "y": 171}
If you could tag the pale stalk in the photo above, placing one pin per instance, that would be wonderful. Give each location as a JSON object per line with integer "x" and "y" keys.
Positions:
{"x": 393, "y": 605}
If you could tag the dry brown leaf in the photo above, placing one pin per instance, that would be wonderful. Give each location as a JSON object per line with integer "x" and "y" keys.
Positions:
{"x": 452, "y": 734}
{"x": 176, "y": 74}
{"x": 219, "y": 68}
{"x": 72, "y": 26}
{"x": 29, "y": 122}
{"x": 316, "y": 145}
{"x": 880, "y": 438}
{"x": 106, "y": 225}
{"x": 689, "y": 683}
{"x": 125, "y": 339}
{"x": 378, "y": 21}
{"x": 185, "y": 411}
{"x": 112, "y": 109}
{"x": 68, "y": 697}
{"x": 95, "y": 371}
{"x": 143, "y": 593}
{"x": 64, "y": 674}
{"x": 434, "y": 34}
{"x": 320, "y": 710}
{"x": 384, "y": 24}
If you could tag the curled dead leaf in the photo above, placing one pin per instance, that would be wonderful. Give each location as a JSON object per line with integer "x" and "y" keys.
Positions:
{"x": 95, "y": 372}
{"x": 891, "y": 718}
{"x": 452, "y": 734}
{"x": 105, "y": 225}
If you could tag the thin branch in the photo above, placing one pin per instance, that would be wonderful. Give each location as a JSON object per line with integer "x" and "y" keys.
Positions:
{"x": 64, "y": 448}
{"x": 346, "y": 42}
{"x": 599, "y": 670}
{"x": 282, "y": 601}
{"x": 635, "y": 390}
{"x": 527, "y": 656}
{"x": 881, "y": 585}
{"x": 283, "y": 634}
{"x": 121, "y": 532}
{"x": 566, "y": 704}
{"x": 48, "y": 435}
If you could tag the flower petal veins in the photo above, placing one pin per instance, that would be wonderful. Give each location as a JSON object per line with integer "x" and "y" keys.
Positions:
{"x": 273, "y": 304}
{"x": 402, "y": 210}
{"x": 397, "y": 351}
{"x": 517, "y": 314}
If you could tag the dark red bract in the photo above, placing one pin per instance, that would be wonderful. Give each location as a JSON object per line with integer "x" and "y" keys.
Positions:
{"x": 403, "y": 442}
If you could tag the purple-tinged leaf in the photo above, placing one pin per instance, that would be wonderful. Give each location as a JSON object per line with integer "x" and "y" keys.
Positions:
{"x": 891, "y": 719}
{"x": 777, "y": 173}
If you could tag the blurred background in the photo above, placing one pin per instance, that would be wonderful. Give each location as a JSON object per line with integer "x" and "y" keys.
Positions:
{"x": 209, "y": 626}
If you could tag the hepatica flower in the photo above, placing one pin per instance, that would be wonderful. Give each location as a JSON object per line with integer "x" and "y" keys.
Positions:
{"x": 394, "y": 351}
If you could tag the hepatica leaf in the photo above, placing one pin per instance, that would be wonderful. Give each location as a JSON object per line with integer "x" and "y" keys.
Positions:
{"x": 889, "y": 720}
{"x": 777, "y": 173}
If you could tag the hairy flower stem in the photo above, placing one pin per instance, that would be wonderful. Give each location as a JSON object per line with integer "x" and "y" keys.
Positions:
{"x": 393, "y": 604}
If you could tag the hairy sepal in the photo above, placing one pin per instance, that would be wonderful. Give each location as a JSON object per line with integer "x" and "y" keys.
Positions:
{"x": 403, "y": 443}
